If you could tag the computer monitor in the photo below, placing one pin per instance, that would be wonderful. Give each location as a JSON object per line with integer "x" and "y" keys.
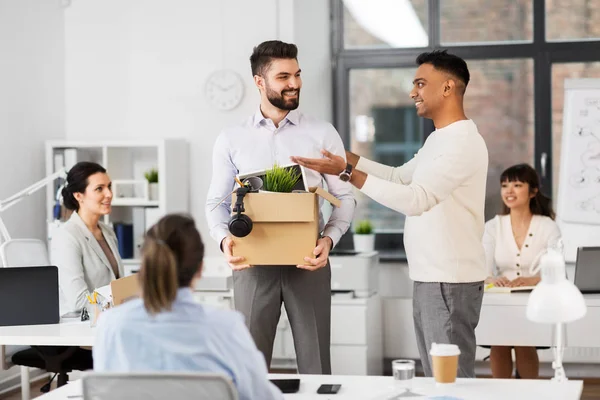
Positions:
{"x": 29, "y": 296}
{"x": 587, "y": 269}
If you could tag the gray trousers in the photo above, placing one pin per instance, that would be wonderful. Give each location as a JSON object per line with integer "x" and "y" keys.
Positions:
{"x": 447, "y": 313}
{"x": 258, "y": 294}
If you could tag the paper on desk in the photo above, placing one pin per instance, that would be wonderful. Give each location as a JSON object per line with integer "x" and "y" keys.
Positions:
{"x": 105, "y": 291}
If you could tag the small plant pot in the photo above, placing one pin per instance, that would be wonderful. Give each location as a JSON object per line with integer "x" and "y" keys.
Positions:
{"x": 153, "y": 191}
{"x": 364, "y": 243}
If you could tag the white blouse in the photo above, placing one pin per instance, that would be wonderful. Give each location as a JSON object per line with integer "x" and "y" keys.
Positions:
{"x": 503, "y": 257}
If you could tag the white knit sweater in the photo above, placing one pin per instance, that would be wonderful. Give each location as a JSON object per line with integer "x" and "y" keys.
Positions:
{"x": 442, "y": 192}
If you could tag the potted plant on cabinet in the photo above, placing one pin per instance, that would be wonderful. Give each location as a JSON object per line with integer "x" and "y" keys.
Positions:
{"x": 152, "y": 178}
{"x": 364, "y": 238}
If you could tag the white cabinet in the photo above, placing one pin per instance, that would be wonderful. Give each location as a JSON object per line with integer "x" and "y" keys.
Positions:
{"x": 126, "y": 162}
{"x": 356, "y": 338}
{"x": 218, "y": 299}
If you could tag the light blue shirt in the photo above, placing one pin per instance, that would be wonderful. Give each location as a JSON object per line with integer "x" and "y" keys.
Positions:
{"x": 256, "y": 145}
{"x": 191, "y": 337}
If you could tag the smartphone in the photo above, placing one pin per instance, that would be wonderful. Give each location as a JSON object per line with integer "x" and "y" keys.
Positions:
{"x": 328, "y": 389}
{"x": 287, "y": 385}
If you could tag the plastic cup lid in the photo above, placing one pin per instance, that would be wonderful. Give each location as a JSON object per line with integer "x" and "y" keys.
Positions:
{"x": 444, "y": 350}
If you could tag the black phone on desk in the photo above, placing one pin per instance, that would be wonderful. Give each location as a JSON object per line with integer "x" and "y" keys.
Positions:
{"x": 329, "y": 389}
{"x": 287, "y": 385}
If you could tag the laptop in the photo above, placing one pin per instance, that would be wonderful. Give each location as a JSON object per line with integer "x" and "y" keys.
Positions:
{"x": 29, "y": 296}
{"x": 587, "y": 269}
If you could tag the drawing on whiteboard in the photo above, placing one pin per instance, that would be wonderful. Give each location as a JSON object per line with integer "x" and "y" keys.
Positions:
{"x": 591, "y": 205}
{"x": 583, "y": 131}
{"x": 590, "y": 160}
{"x": 593, "y": 102}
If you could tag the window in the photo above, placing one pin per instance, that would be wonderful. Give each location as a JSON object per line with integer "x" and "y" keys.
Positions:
{"x": 572, "y": 19}
{"x": 499, "y": 99}
{"x": 384, "y": 127}
{"x": 518, "y": 51}
{"x": 385, "y": 23}
{"x": 490, "y": 21}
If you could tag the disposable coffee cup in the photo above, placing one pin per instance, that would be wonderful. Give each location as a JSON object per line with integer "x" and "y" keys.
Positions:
{"x": 444, "y": 358}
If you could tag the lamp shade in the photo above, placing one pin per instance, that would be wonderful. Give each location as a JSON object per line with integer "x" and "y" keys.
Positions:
{"x": 555, "y": 303}
{"x": 555, "y": 299}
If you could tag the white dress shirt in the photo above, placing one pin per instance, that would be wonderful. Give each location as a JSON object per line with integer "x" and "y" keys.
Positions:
{"x": 442, "y": 192}
{"x": 189, "y": 337}
{"x": 504, "y": 258}
{"x": 257, "y": 144}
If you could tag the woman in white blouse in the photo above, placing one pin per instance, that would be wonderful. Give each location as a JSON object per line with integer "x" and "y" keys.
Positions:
{"x": 513, "y": 241}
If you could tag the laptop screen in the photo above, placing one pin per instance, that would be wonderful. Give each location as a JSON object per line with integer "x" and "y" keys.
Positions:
{"x": 29, "y": 296}
{"x": 587, "y": 270}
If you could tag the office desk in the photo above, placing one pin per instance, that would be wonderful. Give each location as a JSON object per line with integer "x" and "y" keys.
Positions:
{"x": 70, "y": 332}
{"x": 503, "y": 321}
{"x": 382, "y": 388}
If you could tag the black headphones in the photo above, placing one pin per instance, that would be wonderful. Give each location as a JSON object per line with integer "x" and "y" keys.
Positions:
{"x": 240, "y": 225}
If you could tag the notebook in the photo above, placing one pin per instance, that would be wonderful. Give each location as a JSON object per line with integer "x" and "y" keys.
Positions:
{"x": 124, "y": 289}
{"x": 504, "y": 289}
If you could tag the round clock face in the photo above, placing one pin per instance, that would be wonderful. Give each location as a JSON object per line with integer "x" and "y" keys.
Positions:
{"x": 224, "y": 89}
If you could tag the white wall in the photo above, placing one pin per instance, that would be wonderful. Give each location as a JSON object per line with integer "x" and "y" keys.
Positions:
{"x": 137, "y": 69}
{"x": 32, "y": 103}
{"x": 31, "y": 110}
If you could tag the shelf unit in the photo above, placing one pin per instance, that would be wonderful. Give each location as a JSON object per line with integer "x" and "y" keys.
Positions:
{"x": 128, "y": 161}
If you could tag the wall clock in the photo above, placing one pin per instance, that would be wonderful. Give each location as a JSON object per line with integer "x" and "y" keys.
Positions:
{"x": 224, "y": 89}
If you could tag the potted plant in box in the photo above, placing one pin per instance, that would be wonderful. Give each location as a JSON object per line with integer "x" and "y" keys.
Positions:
{"x": 281, "y": 179}
{"x": 364, "y": 238}
{"x": 152, "y": 178}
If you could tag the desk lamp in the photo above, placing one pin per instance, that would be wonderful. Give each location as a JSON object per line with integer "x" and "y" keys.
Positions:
{"x": 14, "y": 199}
{"x": 555, "y": 300}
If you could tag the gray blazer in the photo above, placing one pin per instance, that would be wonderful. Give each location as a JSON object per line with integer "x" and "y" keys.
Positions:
{"x": 82, "y": 265}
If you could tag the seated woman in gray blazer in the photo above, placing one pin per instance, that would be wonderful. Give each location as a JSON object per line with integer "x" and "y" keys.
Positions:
{"x": 85, "y": 249}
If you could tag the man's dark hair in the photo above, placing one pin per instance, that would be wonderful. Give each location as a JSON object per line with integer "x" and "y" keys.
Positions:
{"x": 264, "y": 53}
{"x": 449, "y": 63}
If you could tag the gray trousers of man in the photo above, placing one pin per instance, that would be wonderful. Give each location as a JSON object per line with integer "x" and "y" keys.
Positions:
{"x": 447, "y": 313}
{"x": 258, "y": 294}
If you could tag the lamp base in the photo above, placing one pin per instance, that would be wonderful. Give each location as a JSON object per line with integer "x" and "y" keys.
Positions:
{"x": 559, "y": 372}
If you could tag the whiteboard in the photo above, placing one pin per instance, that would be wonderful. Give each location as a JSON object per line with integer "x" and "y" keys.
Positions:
{"x": 578, "y": 206}
{"x": 579, "y": 181}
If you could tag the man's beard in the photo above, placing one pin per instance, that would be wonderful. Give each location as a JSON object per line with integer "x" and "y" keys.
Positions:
{"x": 277, "y": 100}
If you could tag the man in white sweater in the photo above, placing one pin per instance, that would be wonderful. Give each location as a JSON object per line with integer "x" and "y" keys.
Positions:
{"x": 442, "y": 192}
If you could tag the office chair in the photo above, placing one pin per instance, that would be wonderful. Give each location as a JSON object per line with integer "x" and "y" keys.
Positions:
{"x": 57, "y": 359}
{"x": 20, "y": 253}
{"x": 24, "y": 253}
{"x": 157, "y": 386}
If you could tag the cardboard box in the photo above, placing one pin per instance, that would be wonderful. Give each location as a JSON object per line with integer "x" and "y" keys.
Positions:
{"x": 285, "y": 227}
{"x": 124, "y": 289}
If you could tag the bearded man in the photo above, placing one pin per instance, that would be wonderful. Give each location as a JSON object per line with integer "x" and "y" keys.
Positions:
{"x": 275, "y": 132}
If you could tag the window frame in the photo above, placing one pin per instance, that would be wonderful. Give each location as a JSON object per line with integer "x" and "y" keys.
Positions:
{"x": 543, "y": 53}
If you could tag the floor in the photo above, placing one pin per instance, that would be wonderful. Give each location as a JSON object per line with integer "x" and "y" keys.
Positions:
{"x": 35, "y": 391}
{"x": 591, "y": 391}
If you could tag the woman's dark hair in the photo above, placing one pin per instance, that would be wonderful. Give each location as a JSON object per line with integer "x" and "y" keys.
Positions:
{"x": 77, "y": 181}
{"x": 539, "y": 204}
{"x": 171, "y": 256}
{"x": 264, "y": 53}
